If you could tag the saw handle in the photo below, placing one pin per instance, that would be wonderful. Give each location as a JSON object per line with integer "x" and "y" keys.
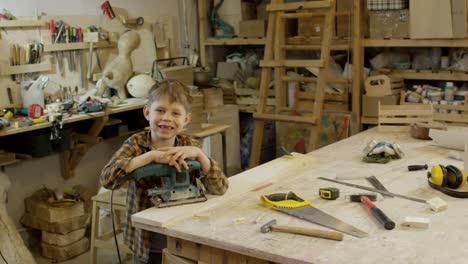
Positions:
{"x": 308, "y": 232}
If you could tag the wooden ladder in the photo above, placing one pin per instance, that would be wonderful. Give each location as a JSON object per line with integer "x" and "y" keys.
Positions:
{"x": 275, "y": 58}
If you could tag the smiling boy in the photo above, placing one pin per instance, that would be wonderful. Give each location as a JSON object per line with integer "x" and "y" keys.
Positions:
{"x": 167, "y": 112}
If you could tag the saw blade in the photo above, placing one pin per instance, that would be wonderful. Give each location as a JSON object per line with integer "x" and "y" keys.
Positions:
{"x": 317, "y": 216}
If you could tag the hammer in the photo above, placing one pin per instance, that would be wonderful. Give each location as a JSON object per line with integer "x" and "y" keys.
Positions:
{"x": 272, "y": 226}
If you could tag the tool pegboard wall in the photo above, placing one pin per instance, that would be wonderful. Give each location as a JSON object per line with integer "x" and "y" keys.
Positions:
{"x": 54, "y": 58}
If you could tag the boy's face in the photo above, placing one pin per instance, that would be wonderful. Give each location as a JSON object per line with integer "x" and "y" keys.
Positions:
{"x": 166, "y": 119}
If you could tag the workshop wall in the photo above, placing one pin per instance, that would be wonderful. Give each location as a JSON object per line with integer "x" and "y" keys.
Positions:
{"x": 28, "y": 176}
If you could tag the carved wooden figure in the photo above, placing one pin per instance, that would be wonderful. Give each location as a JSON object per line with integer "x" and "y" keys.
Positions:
{"x": 117, "y": 73}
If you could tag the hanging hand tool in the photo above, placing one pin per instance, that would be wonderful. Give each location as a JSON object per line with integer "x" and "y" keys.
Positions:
{"x": 417, "y": 167}
{"x": 376, "y": 212}
{"x": 374, "y": 190}
{"x": 329, "y": 193}
{"x": 292, "y": 204}
{"x": 107, "y": 9}
{"x": 91, "y": 36}
{"x": 272, "y": 226}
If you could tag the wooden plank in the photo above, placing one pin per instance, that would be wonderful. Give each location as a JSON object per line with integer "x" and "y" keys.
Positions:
{"x": 451, "y": 117}
{"x": 291, "y": 63}
{"x": 26, "y": 68}
{"x": 430, "y": 75}
{"x": 264, "y": 89}
{"x": 358, "y": 59}
{"x": 301, "y": 15}
{"x": 21, "y": 23}
{"x": 239, "y": 185}
{"x": 405, "y": 120}
{"x": 286, "y": 118}
{"x": 337, "y": 44}
{"x": 77, "y": 46}
{"x": 403, "y": 112}
{"x": 297, "y": 6}
{"x": 331, "y": 97}
{"x": 455, "y": 43}
{"x": 234, "y": 41}
{"x": 218, "y": 229}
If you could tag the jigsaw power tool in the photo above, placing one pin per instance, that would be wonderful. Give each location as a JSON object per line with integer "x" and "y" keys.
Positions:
{"x": 175, "y": 187}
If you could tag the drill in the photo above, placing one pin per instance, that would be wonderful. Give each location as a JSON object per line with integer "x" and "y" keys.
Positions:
{"x": 5, "y": 120}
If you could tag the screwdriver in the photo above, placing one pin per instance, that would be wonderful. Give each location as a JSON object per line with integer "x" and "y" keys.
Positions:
{"x": 417, "y": 167}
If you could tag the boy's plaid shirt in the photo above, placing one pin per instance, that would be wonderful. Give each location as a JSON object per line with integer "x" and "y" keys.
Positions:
{"x": 137, "y": 199}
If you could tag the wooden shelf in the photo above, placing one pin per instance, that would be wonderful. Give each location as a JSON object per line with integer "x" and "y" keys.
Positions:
{"x": 26, "y": 68}
{"x": 21, "y": 23}
{"x": 234, "y": 41}
{"x": 430, "y": 75}
{"x": 337, "y": 44}
{"x": 415, "y": 42}
{"x": 77, "y": 46}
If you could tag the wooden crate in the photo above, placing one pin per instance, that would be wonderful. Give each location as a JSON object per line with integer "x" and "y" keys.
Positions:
{"x": 461, "y": 117}
{"x": 247, "y": 99}
{"x": 45, "y": 212}
{"x": 57, "y": 253}
{"x": 61, "y": 227}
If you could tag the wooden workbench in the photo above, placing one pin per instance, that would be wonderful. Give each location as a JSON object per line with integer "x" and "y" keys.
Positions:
{"x": 209, "y": 231}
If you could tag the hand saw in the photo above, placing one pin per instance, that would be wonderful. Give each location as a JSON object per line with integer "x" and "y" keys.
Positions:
{"x": 291, "y": 204}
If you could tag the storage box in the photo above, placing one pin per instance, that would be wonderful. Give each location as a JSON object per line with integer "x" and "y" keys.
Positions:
{"x": 433, "y": 19}
{"x": 310, "y": 26}
{"x": 344, "y": 23}
{"x": 389, "y": 24}
{"x": 387, "y": 4}
{"x": 252, "y": 28}
{"x": 370, "y": 104}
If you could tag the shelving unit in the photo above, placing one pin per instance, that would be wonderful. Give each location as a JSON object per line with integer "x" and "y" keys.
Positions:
{"x": 77, "y": 46}
{"x": 444, "y": 75}
{"x": 21, "y": 23}
{"x": 25, "y": 68}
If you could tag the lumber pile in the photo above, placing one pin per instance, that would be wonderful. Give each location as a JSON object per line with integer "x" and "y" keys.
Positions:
{"x": 62, "y": 225}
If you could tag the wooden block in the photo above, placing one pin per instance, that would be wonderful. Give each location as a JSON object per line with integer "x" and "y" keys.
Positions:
{"x": 437, "y": 204}
{"x": 417, "y": 222}
{"x": 252, "y": 28}
{"x": 61, "y": 227}
{"x": 183, "y": 73}
{"x": 62, "y": 240}
{"x": 57, "y": 253}
{"x": 43, "y": 211}
{"x": 213, "y": 97}
{"x": 168, "y": 258}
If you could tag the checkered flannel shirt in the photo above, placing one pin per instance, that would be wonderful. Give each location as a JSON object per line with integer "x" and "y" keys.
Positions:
{"x": 137, "y": 199}
{"x": 387, "y": 4}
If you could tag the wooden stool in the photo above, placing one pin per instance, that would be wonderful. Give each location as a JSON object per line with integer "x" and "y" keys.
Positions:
{"x": 208, "y": 130}
{"x": 106, "y": 240}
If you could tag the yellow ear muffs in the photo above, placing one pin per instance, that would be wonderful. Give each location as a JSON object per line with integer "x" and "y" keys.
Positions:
{"x": 438, "y": 175}
{"x": 455, "y": 177}
{"x": 450, "y": 176}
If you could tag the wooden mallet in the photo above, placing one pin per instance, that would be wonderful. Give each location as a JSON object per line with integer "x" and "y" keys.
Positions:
{"x": 272, "y": 226}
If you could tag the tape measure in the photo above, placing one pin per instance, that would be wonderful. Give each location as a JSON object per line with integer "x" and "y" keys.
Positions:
{"x": 329, "y": 193}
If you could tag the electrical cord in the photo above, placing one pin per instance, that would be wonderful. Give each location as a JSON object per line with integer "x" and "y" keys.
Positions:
{"x": 3, "y": 257}
{"x": 117, "y": 183}
{"x": 113, "y": 224}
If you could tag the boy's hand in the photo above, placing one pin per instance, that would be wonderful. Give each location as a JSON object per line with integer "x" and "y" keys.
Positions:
{"x": 161, "y": 156}
{"x": 178, "y": 155}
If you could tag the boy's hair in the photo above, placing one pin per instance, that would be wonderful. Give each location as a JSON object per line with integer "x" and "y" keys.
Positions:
{"x": 175, "y": 90}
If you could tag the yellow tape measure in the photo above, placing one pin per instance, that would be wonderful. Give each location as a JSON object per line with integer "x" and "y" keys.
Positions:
{"x": 329, "y": 193}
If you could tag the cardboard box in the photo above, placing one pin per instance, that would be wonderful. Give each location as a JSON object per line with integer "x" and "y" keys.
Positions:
{"x": 344, "y": 23}
{"x": 252, "y": 28}
{"x": 436, "y": 19}
{"x": 310, "y": 26}
{"x": 389, "y": 24}
{"x": 370, "y": 104}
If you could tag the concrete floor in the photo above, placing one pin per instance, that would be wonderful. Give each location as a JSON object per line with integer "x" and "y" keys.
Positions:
{"x": 103, "y": 257}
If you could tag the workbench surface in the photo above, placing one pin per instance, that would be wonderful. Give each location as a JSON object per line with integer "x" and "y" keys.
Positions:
{"x": 227, "y": 222}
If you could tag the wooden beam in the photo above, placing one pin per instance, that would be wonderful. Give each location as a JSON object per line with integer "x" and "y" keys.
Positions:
{"x": 297, "y": 6}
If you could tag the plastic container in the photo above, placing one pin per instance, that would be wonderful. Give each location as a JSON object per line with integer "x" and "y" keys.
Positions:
{"x": 435, "y": 96}
{"x": 449, "y": 91}
{"x": 460, "y": 95}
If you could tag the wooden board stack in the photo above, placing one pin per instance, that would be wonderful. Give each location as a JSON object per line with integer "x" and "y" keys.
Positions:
{"x": 63, "y": 228}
